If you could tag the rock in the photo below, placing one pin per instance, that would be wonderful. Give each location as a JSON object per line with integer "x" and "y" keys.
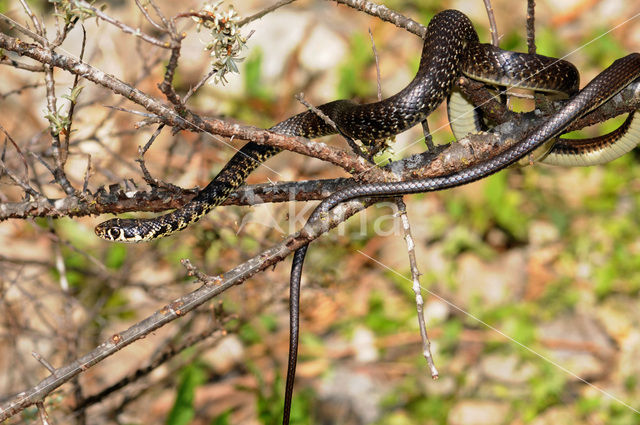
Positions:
{"x": 443, "y": 386}
{"x": 478, "y": 412}
{"x": 578, "y": 343}
{"x": 278, "y": 35}
{"x": 435, "y": 311}
{"x": 494, "y": 283}
{"x": 542, "y": 233}
{"x": 225, "y": 354}
{"x": 348, "y": 397}
{"x": 557, "y": 415}
{"x": 323, "y": 50}
{"x": 364, "y": 345}
{"x": 509, "y": 369}
{"x": 621, "y": 318}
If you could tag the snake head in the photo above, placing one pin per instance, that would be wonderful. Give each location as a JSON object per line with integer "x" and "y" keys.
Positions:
{"x": 119, "y": 230}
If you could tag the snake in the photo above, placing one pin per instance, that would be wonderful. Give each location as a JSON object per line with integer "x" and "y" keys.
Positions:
{"x": 451, "y": 48}
{"x": 466, "y": 119}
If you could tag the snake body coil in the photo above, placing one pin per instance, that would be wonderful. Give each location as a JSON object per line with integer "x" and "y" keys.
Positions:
{"x": 451, "y": 48}
{"x": 620, "y": 74}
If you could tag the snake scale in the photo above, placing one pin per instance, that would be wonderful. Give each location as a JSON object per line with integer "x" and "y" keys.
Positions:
{"x": 451, "y": 48}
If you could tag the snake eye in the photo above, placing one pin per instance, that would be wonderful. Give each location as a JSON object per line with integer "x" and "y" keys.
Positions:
{"x": 114, "y": 233}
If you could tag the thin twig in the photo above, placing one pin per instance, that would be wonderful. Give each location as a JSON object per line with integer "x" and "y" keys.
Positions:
{"x": 204, "y": 278}
{"x": 124, "y": 27}
{"x": 263, "y": 12}
{"x": 531, "y": 26}
{"x": 386, "y": 14}
{"x": 61, "y": 267}
{"x": 19, "y": 90}
{"x": 140, "y": 160}
{"x": 15, "y": 145}
{"x": 145, "y": 12}
{"x": 415, "y": 276}
{"x": 167, "y": 354}
{"x": 42, "y": 414}
{"x": 43, "y": 362}
{"x": 375, "y": 55}
{"x": 58, "y": 153}
{"x": 133, "y": 112}
{"x": 352, "y": 143}
{"x": 166, "y": 86}
{"x": 19, "y": 65}
{"x": 166, "y": 22}
{"x": 26, "y": 31}
{"x": 199, "y": 84}
{"x": 18, "y": 181}
{"x": 43, "y": 162}
{"x": 87, "y": 174}
{"x": 177, "y": 308}
{"x": 35, "y": 20}
{"x": 495, "y": 38}
{"x": 73, "y": 101}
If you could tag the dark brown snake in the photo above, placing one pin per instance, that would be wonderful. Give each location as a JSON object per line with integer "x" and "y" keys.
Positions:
{"x": 450, "y": 48}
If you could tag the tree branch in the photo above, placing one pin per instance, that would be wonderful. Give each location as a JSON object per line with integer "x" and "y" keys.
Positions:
{"x": 175, "y": 309}
{"x": 117, "y": 199}
{"x": 192, "y": 122}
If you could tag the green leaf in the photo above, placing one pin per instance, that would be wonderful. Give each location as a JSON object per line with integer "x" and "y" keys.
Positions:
{"x": 505, "y": 205}
{"x": 183, "y": 410}
{"x": 116, "y": 254}
{"x": 352, "y": 82}
{"x": 224, "y": 419}
{"x": 73, "y": 96}
{"x": 253, "y": 77}
{"x": 118, "y": 305}
{"x": 249, "y": 335}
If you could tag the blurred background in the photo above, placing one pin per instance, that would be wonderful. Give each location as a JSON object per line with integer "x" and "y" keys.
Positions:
{"x": 531, "y": 277}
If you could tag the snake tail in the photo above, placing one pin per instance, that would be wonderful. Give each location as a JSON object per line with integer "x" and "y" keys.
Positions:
{"x": 621, "y": 73}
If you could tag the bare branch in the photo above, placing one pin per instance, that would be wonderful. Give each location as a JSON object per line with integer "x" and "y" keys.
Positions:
{"x": 387, "y": 15}
{"x": 167, "y": 354}
{"x": 478, "y": 147}
{"x": 175, "y": 309}
{"x": 18, "y": 181}
{"x": 34, "y": 19}
{"x": 415, "y": 276}
{"x": 124, "y": 27}
{"x": 43, "y": 362}
{"x": 14, "y": 25}
{"x": 200, "y": 83}
{"x": 141, "y": 151}
{"x": 20, "y": 90}
{"x": 375, "y": 55}
{"x": 145, "y": 12}
{"x": 19, "y": 65}
{"x": 495, "y": 38}
{"x": 531, "y": 26}
{"x": 42, "y": 414}
{"x": 73, "y": 100}
{"x": 193, "y": 122}
{"x": 263, "y": 12}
